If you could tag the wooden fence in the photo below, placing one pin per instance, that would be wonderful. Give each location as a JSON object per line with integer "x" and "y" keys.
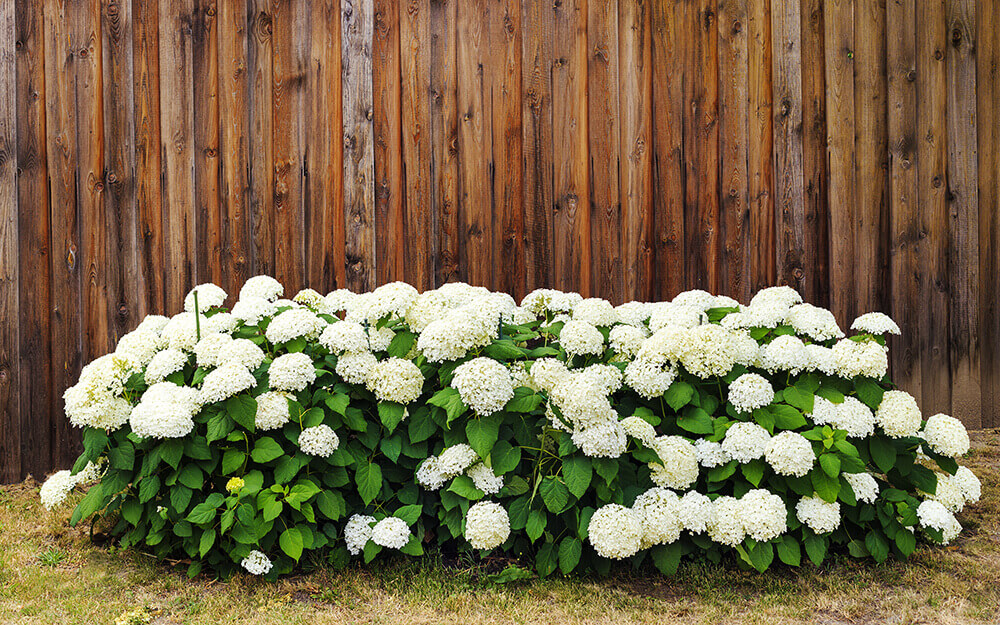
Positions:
{"x": 621, "y": 148}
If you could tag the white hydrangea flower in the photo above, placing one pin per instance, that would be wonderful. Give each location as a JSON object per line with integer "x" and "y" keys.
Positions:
{"x": 451, "y": 337}
{"x": 785, "y": 353}
{"x": 256, "y": 563}
{"x": 711, "y": 350}
{"x": 540, "y": 301}
{"x": 821, "y": 516}
{"x": 379, "y": 339}
{"x": 969, "y": 484}
{"x": 710, "y": 453}
{"x": 855, "y": 417}
{"x": 875, "y": 323}
{"x": 96, "y": 399}
{"x": 396, "y": 380}
{"x": 639, "y": 429}
{"x": 784, "y": 296}
{"x": 487, "y": 525}
{"x": 946, "y": 436}
{"x": 319, "y": 440}
{"x": 948, "y": 493}
{"x": 344, "y": 336}
{"x": 817, "y": 323}
{"x": 389, "y": 300}
{"x": 790, "y": 453}
{"x": 898, "y": 414}
{"x": 91, "y": 473}
{"x": 750, "y": 391}
{"x": 633, "y": 313}
{"x": 242, "y": 352}
{"x": 667, "y": 314}
{"x": 224, "y": 382}
{"x": 860, "y": 358}
{"x": 353, "y": 367}
{"x": 219, "y": 322}
{"x": 725, "y": 525}
{"x": 165, "y": 411}
{"x": 746, "y": 441}
{"x": 864, "y": 486}
{"x": 764, "y": 515}
{"x": 678, "y": 466}
{"x": 580, "y": 338}
{"x": 615, "y": 532}
{"x": 153, "y": 323}
{"x": 357, "y": 532}
{"x": 695, "y": 511}
{"x": 182, "y": 331}
{"x": 626, "y": 340}
{"x": 824, "y": 411}
{"x": 163, "y": 364}
{"x": 292, "y": 324}
{"x": 56, "y": 488}
{"x": 139, "y": 346}
{"x": 456, "y": 459}
{"x": 207, "y": 350}
{"x": 696, "y": 298}
{"x": 252, "y": 310}
{"x": 310, "y": 298}
{"x": 292, "y": 372}
{"x": 547, "y": 372}
{"x": 484, "y": 479}
{"x": 339, "y": 300}
{"x": 484, "y": 384}
{"x": 209, "y": 296}
{"x": 821, "y": 359}
{"x": 391, "y": 533}
{"x": 658, "y": 510}
{"x": 650, "y": 377}
{"x": 429, "y": 474}
{"x": 602, "y": 440}
{"x": 264, "y": 287}
{"x": 595, "y": 311}
{"x": 933, "y": 515}
{"x": 272, "y": 410}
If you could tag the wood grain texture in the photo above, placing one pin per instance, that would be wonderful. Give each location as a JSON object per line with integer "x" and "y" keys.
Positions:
{"x": 816, "y": 209}
{"x": 761, "y": 260}
{"x": 444, "y": 186}
{"x": 390, "y": 194}
{"x": 988, "y": 142}
{"x": 260, "y": 60}
{"x": 10, "y": 364}
{"x": 205, "y": 120}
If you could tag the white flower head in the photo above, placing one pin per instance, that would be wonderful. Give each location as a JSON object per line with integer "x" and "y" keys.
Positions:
{"x": 658, "y": 509}
{"x": 750, "y": 391}
{"x": 678, "y": 466}
{"x": 487, "y": 525}
{"x": 256, "y": 563}
{"x": 165, "y": 411}
{"x": 264, "y": 287}
{"x": 272, "y": 410}
{"x": 344, "y": 336}
{"x": 821, "y": 516}
{"x": 790, "y": 453}
{"x": 163, "y": 364}
{"x": 615, "y": 532}
{"x": 946, "y": 436}
{"x": 395, "y": 380}
{"x": 580, "y": 338}
{"x": 209, "y": 296}
{"x": 875, "y": 323}
{"x": 319, "y": 440}
{"x": 56, "y": 488}
{"x": 764, "y": 515}
{"x": 864, "y": 486}
{"x": 898, "y": 414}
{"x": 391, "y": 533}
{"x": 357, "y": 532}
{"x": 353, "y": 367}
{"x": 291, "y": 372}
{"x": 224, "y": 382}
{"x": 746, "y": 441}
{"x": 252, "y": 310}
{"x": 242, "y": 352}
{"x": 484, "y": 384}
{"x": 484, "y": 479}
{"x": 294, "y": 323}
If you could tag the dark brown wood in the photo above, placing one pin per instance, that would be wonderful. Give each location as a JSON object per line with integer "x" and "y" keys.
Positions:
{"x": 390, "y": 194}
{"x": 988, "y": 109}
{"x": 10, "y": 328}
{"x": 815, "y": 242}
{"x": 444, "y": 140}
{"x": 760, "y": 168}
{"x": 205, "y": 81}
{"x": 260, "y": 55}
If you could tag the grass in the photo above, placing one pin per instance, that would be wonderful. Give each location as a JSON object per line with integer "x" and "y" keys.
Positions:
{"x": 51, "y": 573}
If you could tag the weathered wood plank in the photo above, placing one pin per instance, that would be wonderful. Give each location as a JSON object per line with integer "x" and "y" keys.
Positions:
{"x": 815, "y": 244}
{"x": 988, "y": 111}
{"x": 963, "y": 213}
{"x": 357, "y": 30}
{"x": 205, "y": 82}
{"x": 390, "y": 192}
{"x": 761, "y": 260}
{"x": 260, "y": 60}
{"x": 444, "y": 140}
{"x": 10, "y": 363}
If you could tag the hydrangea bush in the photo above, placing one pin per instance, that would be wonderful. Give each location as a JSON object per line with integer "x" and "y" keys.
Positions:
{"x": 565, "y": 432}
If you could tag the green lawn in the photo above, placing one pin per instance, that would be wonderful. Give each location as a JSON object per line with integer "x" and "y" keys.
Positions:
{"x": 51, "y": 573}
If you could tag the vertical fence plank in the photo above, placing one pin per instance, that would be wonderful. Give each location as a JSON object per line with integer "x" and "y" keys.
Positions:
{"x": 177, "y": 137}
{"x": 815, "y": 256}
{"x": 233, "y": 145}
{"x": 988, "y": 110}
{"x": 324, "y": 157}
{"x": 205, "y": 82}
{"x": 760, "y": 164}
{"x": 603, "y": 116}
{"x": 474, "y": 148}
{"x": 963, "y": 213}
{"x": 636, "y": 180}
{"x": 260, "y": 53}
{"x": 388, "y": 152}
{"x": 444, "y": 139}
{"x": 733, "y": 149}
{"x": 146, "y": 112}
{"x": 415, "y": 73}
{"x": 125, "y": 279}
{"x": 356, "y": 22}
{"x": 932, "y": 151}
{"x": 10, "y": 371}
{"x": 904, "y": 224}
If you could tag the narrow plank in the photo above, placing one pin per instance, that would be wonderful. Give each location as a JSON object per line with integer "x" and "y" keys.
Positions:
{"x": 932, "y": 151}
{"x": 905, "y": 238}
{"x": 476, "y": 214}
{"x": 357, "y": 22}
{"x": 789, "y": 201}
{"x": 290, "y": 45}
{"x": 260, "y": 60}
{"x": 815, "y": 244}
{"x": 390, "y": 192}
{"x": 34, "y": 386}
{"x": 146, "y": 112}
{"x": 66, "y": 320}
{"x": 234, "y": 158}
{"x": 10, "y": 363}
{"x": 324, "y": 158}
{"x": 701, "y": 146}
{"x": 636, "y": 138}
{"x": 669, "y": 41}
{"x": 444, "y": 139}
{"x": 177, "y": 189}
{"x": 871, "y": 161}
{"x": 761, "y": 260}
{"x": 734, "y": 125}
{"x": 415, "y": 59}
{"x": 963, "y": 213}
{"x": 205, "y": 84}
{"x": 538, "y": 73}
{"x": 988, "y": 105}
{"x": 605, "y": 135}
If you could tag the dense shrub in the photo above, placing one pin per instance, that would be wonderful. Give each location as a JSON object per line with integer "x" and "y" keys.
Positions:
{"x": 564, "y": 431}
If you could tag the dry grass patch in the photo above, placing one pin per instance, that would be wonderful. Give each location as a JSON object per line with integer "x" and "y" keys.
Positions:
{"x": 51, "y": 573}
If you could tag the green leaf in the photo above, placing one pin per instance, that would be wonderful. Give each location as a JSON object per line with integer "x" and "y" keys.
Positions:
{"x": 202, "y": 513}
{"x": 91, "y": 503}
{"x": 270, "y": 507}
{"x": 878, "y": 545}
{"x": 291, "y": 543}
{"x": 504, "y": 457}
{"x": 570, "y": 550}
{"x": 410, "y": 513}
{"x": 266, "y": 449}
{"x": 338, "y": 402}
{"x": 219, "y": 426}
{"x": 535, "y": 526}
{"x": 148, "y": 488}
{"x": 232, "y": 460}
{"x": 577, "y": 471}
{"x": 695, "y": 420}
{"x": 678, "y": 395}
{"x": 180, "y": 497}
{"x": 391, "y": 447}
{"x": 831, "y": 394}
{"x": 869, "y": 391}
{"x": 786, "y": 417}
{"x": 816, "y": 549}
{"x": 546, "y": 560}
{"x": 503, "y": 350}
{"x": 243, "y": 410}
{"x": 883, "y": 453}
{"x": 906, "y": 542}
{"x": 401, "y": 343}
{"x": 482, "y": 433}
{"x": 826, "y": 487}
{"x": 288, "y": 467}
{"x": 123, "y": 456}
{"x": 171, "y": 452}
{"x": 464, "y": 486}
{"x": 331, "y": 504}
{"x": 95, "y": 441}
{"x": 302, "y": 491}
{"x": 789, "y": 551}
{"x": 801, "y": 399}
{"x": 192, "y": 477}
{"x": 391, "y": 414}
{"x": 449, "y": 399}
{"x": 420, "y": 425}
{"x": 206, "y": 542}
{"x": 369, "y": 481}
{"x": 412, "y": 547}
{"x": 524, "y": 400}
{"x": 830, "y": 463}
{"x": 761, "y": 556}
{"x": 667, "y": 557}
{"x": 753, "y": 471}
{"x": 554, "y": 494}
